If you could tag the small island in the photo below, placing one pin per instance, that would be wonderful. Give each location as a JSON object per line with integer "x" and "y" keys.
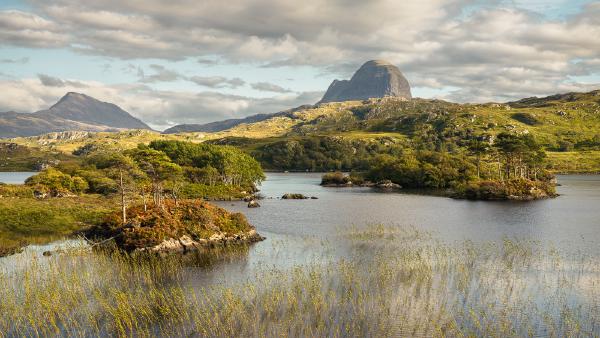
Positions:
{"x": 152, "y": 197}
{"x": 175, "y": 227}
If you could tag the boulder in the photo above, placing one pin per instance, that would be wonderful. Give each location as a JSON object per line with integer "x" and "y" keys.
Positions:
{"x": 387, "y": 184}
{"x": 253, "y": 204}
{"x": 289, "y": 196}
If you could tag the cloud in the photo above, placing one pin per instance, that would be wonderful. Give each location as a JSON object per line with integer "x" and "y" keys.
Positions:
{"x": 270, "y": 87}
{"x": 51, "y": 81}
{"x": 474, "y": 50}
{"x": 161, "y": 74}
{"x": 159, "y": 108}
{"x": 217, "y": 81}
{"x": 29, "y": 30}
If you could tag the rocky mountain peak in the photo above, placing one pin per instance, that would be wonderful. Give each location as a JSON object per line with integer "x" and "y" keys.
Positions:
{"x": 374, "y": 79}
{"x": 83, "y": 108}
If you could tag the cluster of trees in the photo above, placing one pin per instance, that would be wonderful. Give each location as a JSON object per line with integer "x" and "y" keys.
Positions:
{"x": 512, "y": 155}
{"x": 422, "y": 169}
{"x": 210, "y": 164}
{"x": 315, "y": 153}
{"x": 151, "y": 172}
{"x": 427, "y": 161}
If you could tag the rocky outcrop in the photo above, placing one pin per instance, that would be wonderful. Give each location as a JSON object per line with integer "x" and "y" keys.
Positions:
{"x": 289, "y": 196}
{"x": 187, "y": 244}
{"x": 387, "y": 185}
{"x": 374, "y": 79}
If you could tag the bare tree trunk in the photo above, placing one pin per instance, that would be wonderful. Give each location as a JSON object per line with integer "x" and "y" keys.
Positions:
{"x": 144, "y": 200}
{"x": 499, "y": 171}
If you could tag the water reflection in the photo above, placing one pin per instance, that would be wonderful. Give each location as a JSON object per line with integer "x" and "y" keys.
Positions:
{"x": 573, "y": 219}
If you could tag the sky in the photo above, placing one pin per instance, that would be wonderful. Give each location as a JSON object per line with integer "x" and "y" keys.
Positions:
{"x": 189, "y": 61}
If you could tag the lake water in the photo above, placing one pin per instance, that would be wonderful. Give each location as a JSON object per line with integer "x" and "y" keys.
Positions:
{"x": 313, "y": 235}
{"x": 571, "y": 220}
{"x": 15, "y": 177}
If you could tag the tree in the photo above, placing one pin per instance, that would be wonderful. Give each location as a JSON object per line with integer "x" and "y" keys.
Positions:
{"x": 158, "y": 166}
{"x": 520, "y": 154}
{"x": 478, "y": 149}
{"x": 234, "y": 166}
{"x": 123, "y": 170}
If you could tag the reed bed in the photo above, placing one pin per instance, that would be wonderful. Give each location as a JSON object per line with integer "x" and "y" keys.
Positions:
{"x": 391, "y": 281}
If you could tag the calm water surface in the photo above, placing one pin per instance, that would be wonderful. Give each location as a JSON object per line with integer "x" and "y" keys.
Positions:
{"x": 308, "y": 231}
{"x": 571, "y": 219}
{"x": 15, "y": 177}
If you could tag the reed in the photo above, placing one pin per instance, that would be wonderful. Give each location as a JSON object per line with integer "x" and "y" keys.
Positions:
{"x": 394, "y": 282}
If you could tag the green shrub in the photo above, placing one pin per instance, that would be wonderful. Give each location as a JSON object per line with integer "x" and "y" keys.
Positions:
{"x": 338, "y": 178}
{"x": 56, "y": 182}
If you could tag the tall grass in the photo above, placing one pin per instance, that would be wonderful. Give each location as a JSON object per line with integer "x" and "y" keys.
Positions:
{"x": 393, "y": 282}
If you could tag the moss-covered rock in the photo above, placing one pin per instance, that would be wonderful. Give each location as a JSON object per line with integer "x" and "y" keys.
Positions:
{"x": 187, "y": 225}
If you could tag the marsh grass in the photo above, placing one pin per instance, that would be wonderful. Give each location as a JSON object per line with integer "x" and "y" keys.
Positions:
{"x": 393, "y": 281}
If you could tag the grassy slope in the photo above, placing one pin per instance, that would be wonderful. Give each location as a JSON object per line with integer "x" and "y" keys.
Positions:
{"x": 28, "y": 220}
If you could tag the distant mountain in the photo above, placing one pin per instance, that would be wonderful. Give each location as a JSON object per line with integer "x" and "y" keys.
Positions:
{"x": 73, "y": 111}
{"x": 374, "y": 79}
{"x": 217, "y": 126}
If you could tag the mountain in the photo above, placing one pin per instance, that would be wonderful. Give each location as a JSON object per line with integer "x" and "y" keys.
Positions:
{"x": 73, "y": 111}
{"x": 214, "y": 127}
{"x": 374, "y": 79}
{"x": 566, "y": 125}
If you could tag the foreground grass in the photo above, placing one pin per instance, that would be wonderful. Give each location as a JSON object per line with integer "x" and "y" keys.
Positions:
{"x": 394, "y": 282}
{"x": 28, "y": 220}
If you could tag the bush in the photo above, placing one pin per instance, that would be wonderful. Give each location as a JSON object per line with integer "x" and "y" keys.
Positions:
{"x": 56, "y": 182}
{"x": 16, "y": 190}
{"x": 219, "y": 191}
{"x": 484, "y": 190}
{"x": 336, "y": 178}
{"x": 564, "y": 145}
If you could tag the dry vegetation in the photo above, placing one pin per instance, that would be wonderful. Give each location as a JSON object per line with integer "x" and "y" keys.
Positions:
{"x": 394, "y": 282}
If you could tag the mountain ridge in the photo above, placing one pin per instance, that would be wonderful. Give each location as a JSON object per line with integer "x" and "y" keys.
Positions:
{"x": 72, "y": 112}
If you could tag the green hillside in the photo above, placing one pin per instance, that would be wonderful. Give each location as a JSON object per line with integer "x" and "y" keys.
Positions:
{"x": 566, "y": 125}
